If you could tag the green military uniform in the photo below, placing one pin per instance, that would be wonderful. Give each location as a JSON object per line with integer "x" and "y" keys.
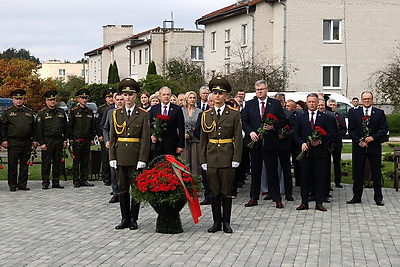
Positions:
{"x": 129, "y": 145}
{"x": 220, "y": 148}
{"x": 17, "y": 129}
{"x": 105, "y": 166}
{"x": 52, "y": 128}
{"x": 81, "y": 133}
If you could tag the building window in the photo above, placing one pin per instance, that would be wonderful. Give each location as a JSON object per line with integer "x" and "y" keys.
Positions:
{"x": 197, "y": 53}
{"x": 244, "y": 34}
{"x": 331, "y": 77}
{"x": 133, "y": 58}
{"x": 227, "y": 52}
{"x": 146, "y": 55}
{"x": 213, "y": 41}
{"x": 61, "y": 72}
{"x": 227, "y": 36}
{"x": 332, "y": 29}
{"x": 140, "y": 57}
{"x": 227, "y": 69}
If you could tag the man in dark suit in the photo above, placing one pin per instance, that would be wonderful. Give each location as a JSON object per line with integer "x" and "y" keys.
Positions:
{"x": 313, "y": 164}
{"x": 129, "y": 149}
{"x": 173, "y": 138}
{"x": 220, "y": 152}
{"x": 367, "y": 145}
{"x": 253, "y": 114}
{"x": 203, "y": 93}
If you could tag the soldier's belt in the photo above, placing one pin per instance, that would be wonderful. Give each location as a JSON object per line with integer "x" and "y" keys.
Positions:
{"x": 129, "y": 140}
{"x": 221, "y": 141}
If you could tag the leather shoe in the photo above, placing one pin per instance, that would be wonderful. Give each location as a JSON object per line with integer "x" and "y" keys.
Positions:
{"x": 279, "y": 205}
{"x": 353, "y": 201}
{"x": 227, "y": 227}
{"x": 215, "y": 228}
{"x": 107, "y": 183}
{"x": 289, "y": 198}
{"x": 251, "y": 203}
{"x": 124, "y": 224}
{"x": 114, "y": 199}
{"x": 327, "y": 200}
{"x": 205, "y": 202}
{"x": 13, "y": 189}
{"x": 380, "y": 203}
{"x": 57, "y": 186}
{"x": 133, "y": 225}
{"x": 320, "y": 207}
{"x": 45, "y": 187}
{"x": 339, "y": 186}
{"x": 77, "y": 185}
{"x": 24, "y": 188}
{"x": 86, "y": 184}
{"x": 268, "y": 196}
{"x": 303, "y": 206}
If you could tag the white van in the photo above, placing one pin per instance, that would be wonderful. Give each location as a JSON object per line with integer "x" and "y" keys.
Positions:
{"x": 343, "y": 103}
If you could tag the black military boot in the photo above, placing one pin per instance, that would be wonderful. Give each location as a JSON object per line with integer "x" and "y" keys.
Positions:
{"x": 124, "y": 203}
{"x": 216, "y": 211}
{"x": 226, "y": 217}
{"x": 134, "y": 214}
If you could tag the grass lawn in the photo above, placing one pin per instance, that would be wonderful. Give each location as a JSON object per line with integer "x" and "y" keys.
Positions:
{"x": 386, "y": 147}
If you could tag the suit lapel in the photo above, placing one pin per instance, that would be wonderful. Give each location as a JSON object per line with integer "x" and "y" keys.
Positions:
{"x": 133, "y": 116}
{"x": 224, "y": 115}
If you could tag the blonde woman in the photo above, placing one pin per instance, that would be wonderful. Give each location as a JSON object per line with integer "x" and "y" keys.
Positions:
{"x": 153, "y": 100}
{"x": 190, "y": 115}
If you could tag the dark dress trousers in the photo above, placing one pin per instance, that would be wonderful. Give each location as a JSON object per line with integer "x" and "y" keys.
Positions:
{"x": 174, "y": 136}
{"x": 266, "y": 149}
{"x": 313, "y": 164}
{"x": 379, "y": 130}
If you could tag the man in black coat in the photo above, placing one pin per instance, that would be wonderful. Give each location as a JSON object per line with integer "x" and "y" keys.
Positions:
{"x": 173, "y": 138}
{"x": 313, "y": 164}
{"x": 367, "y": 145}
{"x": 255, "y": 111}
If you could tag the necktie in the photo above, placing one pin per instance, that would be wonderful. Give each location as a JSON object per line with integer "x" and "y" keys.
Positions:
{"x": 165, "y": 111}
{"x": 262, "y": 109}
{"x": 204, "y": 107}
{"x": 129, "y": 113}
{"x": 366, "y": 112}
{"x": 218, "y": 113}
{"x": 312, "y": 120}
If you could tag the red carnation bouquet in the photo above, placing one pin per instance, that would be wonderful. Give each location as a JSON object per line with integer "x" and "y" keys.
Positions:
{"x": 316, "y": 134}
{"x": 159, "y": 126}
{"x": 284, "y": 130}
{"x": 269, "y": 120}
{"x": 365, "y": 127}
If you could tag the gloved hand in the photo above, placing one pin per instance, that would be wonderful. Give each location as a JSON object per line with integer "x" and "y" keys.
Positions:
{"x": 235, "y": 164}
{"x": 113, "y": 164}
{"x": 204, "y": 166}
{"x": 141, "y": 165}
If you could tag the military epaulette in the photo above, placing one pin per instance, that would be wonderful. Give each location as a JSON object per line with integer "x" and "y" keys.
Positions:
{"x": 74, "y": 108}
{"x": 43, "y": 109}
{"x": 117, "y": 108}
{"x": 208, "y": 110}
{"x": 235, "y": 109}
{"x": 9, "y": 108}
{"x": 27, "y": 108}
{"x": 89, "y": 108}
{"x": 143, "y": 109}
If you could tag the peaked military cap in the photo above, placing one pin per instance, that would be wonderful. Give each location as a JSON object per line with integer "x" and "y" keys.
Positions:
{"x": 50, "y": 95}
{"x": 83, "y": 92}
{"x": 108, "y": 92}
{"x": 129, "y": 85}
{"x": 219, "y": 84}
{"x": 18, "y": 93}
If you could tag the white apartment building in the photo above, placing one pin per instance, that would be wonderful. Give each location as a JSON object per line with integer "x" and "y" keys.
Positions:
{"x": 133, "y": 53}
{"x": 333, "y": 45}
{"x": 57, "y": 69}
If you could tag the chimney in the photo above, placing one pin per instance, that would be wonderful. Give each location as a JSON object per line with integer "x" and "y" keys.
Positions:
{"x": 112, "y": 33}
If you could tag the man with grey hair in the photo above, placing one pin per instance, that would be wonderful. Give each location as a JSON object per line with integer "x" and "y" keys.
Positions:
{"x": 203, "y": 93}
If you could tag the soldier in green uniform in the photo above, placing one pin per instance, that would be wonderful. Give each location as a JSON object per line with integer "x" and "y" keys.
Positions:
{"x": 51, "y": 130}
{"x": 17, "y": 135}
{"x": 129, "y": 149}
{"x": 105, "y": 166}
{"x": 220, "y": 152}
{"x": 81, "y": 134}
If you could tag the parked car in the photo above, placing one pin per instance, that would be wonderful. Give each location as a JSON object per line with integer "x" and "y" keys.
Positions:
{"x": 64, "y": 106}
{"x": 93, "y": 106}
{"x": 5, "y": 103}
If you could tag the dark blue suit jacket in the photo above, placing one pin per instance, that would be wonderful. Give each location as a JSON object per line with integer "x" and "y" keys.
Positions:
{"x": 378, "y": 126}
{"x": 174, "y": 136}
{"x": 303, "y": 130}
{"x": 199, "y": 104}
{"x": 252, "y": 121}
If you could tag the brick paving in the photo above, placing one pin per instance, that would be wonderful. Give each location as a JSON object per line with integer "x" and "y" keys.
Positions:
{"x": 75, "y": 227}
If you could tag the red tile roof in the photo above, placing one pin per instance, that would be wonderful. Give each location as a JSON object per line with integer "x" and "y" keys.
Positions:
{"x": 95, "y": 51}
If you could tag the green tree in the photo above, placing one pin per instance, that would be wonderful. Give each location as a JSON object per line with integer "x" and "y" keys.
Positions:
{"x": 185, "y": 74}
{"x": 22, "y": 53}
{"x": 151, "y": 70}
{"x": 113, "y": 76}
{"x": 116, "y": 74}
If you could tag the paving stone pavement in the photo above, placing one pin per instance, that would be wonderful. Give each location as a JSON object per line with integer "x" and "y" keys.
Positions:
{"x": 75, "y": 227}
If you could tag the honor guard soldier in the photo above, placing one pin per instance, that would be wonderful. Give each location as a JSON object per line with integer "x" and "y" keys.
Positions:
{"x": 17, "y": 135}
{"x": 51, "y": 129}
{"x": 220, "y": 152}
{"x": 81, "y": 134}
{"x": 129, "y": 149}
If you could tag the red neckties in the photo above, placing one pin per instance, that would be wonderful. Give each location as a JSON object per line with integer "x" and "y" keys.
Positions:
{"x": 165, "y": 111}
{"x": 312, "y": 120}
{"x": 262, "y": 109}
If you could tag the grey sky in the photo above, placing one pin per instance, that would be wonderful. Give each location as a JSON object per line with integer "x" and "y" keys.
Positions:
{"x": 65, "y": 30}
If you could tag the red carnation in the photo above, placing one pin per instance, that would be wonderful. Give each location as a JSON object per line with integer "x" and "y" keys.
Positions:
{"x": 321, "y": 131}
{"x": 81, "y": 140}
{"x": 366, "y": 118}
{"x": 272, "y": 117}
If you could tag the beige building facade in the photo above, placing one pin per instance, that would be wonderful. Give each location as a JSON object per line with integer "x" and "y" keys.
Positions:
{"x": 326, "y": 45}
{"x": 134, "y": 53}
{"x": 57, "y": 69}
